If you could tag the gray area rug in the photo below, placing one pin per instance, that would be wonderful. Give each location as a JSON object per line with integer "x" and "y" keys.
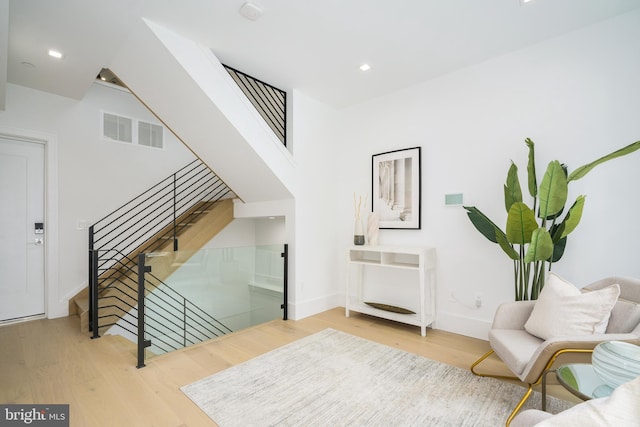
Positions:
{"x": 335, "y": 379}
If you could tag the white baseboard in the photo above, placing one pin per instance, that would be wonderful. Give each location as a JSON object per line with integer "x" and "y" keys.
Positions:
{"x": 75, "y": 291}
{"x": 301, "y": 309}
{"x": 463, "y": 325}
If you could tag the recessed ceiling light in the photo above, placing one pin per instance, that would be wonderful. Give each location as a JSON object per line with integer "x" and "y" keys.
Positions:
{"x": 525, "y": 1}
{"x": 365, "y": 67}
{"x": 55, "y": 53}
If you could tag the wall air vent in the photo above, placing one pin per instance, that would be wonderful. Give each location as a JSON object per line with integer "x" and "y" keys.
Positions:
{"x": 132, "y": 131}
{"x": 150, "y": 135}
{"x": 117, "y": 128}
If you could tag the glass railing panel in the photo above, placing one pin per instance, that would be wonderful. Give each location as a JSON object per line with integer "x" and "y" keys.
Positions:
{"x": 195, "y": 296}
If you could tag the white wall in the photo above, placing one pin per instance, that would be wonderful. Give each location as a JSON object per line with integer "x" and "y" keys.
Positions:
{"x": 94, "y": 176}
{"x": 317, "y": 249}
{"x": 577, "y": 97}
{"x": 250, "y": 232}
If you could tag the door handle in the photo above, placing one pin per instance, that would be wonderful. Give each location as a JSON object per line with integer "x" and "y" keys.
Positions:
{"x": 38, "y": 241}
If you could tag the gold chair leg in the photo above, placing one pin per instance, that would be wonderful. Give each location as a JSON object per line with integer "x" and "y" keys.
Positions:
{"x": 477, "y": 362}
{"x": 524, "y": 398}
{"x": 482, "y": 358}
{"x": 519, "y": 405}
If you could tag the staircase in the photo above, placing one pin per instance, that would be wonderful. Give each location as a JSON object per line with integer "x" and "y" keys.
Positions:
{"x": 184, "y": 212}
{"x": 168, "y": 72}
{"x": 195, "y": 228}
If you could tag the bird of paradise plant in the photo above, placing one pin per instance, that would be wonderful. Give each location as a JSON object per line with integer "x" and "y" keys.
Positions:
{"x": 532, "y": 245}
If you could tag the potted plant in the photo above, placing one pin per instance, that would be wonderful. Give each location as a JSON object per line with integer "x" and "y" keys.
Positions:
{"x": 537, "y": 236}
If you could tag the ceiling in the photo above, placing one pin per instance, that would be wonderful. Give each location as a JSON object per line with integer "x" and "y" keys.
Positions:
{"x": 313, "y": 46}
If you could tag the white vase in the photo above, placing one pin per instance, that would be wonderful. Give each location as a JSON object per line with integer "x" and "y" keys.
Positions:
{"x": 373, "y": 228}
{"x": 358, "y": 232}
{"x": 616, "y": 362}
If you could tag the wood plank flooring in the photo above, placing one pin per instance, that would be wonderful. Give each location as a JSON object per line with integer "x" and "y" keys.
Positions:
{"x": 51, "y": 361}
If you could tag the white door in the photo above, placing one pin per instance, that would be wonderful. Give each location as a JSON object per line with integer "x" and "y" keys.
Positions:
{"x": 22, "y": 230}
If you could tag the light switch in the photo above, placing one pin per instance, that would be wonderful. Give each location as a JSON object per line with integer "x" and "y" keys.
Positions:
{"x": 83, "y": 224}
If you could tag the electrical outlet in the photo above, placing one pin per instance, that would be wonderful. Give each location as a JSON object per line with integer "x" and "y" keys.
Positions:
{"x": 478, "y": 300}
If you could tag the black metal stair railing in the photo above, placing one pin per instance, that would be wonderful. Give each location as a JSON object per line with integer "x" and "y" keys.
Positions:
{"x": 170, "y": 320}
{"x": 147, "y": 223}
{"x": 270, "y": 101}
{"x": 157, "y": 210}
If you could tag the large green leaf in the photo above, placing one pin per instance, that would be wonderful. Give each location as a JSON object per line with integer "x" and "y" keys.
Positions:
{"x": 553, "y": 191}
{"x": 541, "y": 246}
{"x": 512, "y": 190}
{"x": 483, "y": 224}
{"x": 558, "y": 250}
{"x": 585, "y": 169}
{"x": 556, "y": 232}
{"x": 507, "y": 247}
{"x": 531, "y": 169}
{"x": 521, "y": 221}
{"x": 573, "y": 217}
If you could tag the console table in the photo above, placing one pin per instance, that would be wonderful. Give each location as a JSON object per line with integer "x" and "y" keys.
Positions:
{"x": 420, "y": 260}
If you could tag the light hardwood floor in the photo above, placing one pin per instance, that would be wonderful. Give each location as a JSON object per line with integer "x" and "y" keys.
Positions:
{"x": 51, "y": 361}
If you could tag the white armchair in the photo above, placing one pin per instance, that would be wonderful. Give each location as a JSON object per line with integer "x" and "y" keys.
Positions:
{"x": 529, "y": 356}
{"x": 619, "y": 409}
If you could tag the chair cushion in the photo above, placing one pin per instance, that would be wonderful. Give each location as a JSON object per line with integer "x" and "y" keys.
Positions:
{"x": 514, "y": 346}
{"x": 562, "y": 310}
{"x": 625, "y": 316}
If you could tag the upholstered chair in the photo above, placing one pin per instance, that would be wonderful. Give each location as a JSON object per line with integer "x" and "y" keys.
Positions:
{"x": 569, "y": 337}
{"x": 619, "y": 409}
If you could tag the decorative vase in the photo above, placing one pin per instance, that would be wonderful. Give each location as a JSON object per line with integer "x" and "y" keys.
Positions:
{"x": 616, "y": 362}
{"x": 358, "y": 233}
{"x": 373, "y": 228}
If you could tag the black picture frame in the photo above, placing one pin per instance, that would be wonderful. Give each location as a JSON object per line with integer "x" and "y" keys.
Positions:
{"x": 396, "y": 188}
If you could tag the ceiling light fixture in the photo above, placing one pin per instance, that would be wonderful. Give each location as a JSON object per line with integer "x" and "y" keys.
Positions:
{"x": 55, "y": 54}
{"x": 523, "y": 2}
{"x": 365, "y": 67}
{"x": 251, "y": 11}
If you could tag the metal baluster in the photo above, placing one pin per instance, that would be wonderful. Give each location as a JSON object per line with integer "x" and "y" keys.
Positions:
{"x": 142, "y": 343}
{"x": 175, "y": 236}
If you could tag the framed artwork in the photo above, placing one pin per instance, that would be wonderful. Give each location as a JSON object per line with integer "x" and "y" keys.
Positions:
{"x": 395, "y": 182}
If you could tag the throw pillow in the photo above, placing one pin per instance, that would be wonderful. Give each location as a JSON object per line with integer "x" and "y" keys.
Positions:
{"x": 562, "y": 310}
